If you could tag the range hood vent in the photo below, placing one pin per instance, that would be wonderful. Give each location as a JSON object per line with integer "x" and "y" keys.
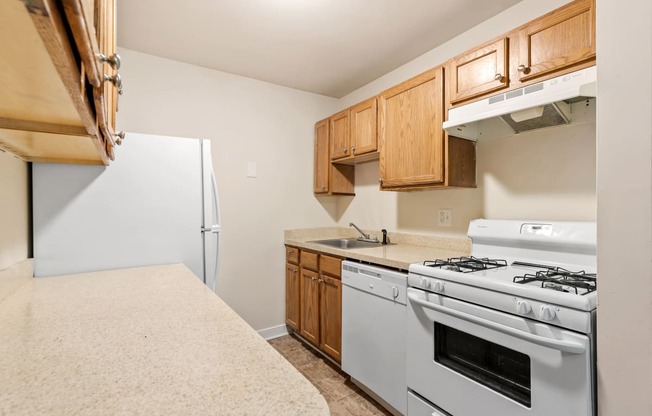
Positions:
{"x": 537, "y": 106}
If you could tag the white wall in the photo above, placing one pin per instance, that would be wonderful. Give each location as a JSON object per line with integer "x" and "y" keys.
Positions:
{"x": 625, "y": 207}
{"x": 14, "y": 210}
{"x": 247, "y": 121}
{"x": 547, "y": 174}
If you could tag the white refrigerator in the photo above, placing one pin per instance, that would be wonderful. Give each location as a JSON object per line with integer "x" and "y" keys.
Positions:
{"x": 155, "y": 204}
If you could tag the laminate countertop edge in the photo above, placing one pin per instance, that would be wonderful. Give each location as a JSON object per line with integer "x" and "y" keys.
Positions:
{"x": 150, "y": 340}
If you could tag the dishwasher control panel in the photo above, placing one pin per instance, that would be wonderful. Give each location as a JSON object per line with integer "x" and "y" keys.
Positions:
{"x": 385, "y": 283}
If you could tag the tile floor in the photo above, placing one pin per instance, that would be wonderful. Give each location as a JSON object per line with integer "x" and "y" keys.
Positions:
{"x": 343, "y": 397}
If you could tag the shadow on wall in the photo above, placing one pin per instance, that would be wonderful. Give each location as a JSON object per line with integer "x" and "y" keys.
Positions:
{"x": 335, "y": 206}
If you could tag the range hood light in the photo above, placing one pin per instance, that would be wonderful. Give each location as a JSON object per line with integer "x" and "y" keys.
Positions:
{"x": 527, "y": 114}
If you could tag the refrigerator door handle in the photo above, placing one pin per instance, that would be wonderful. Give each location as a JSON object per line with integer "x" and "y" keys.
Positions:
{"x": 216, "y": 205}
{"x": 211, "y": 229}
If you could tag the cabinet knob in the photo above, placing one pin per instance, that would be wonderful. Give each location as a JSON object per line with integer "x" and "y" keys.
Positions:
{"x": 380, "y": 180}
{"x": 313, "y": 278}
{"x": 498, "y": 77}
{"x": 522, "y": 68}
{"x": 113, "y": 60}
{"x": 345, "y": 150}
{"x": 120, "y": 137}
{"x": 352, "y": 149}
{"x": 321, "y": 280}
{"x": 323, "y": 188}
{"x": 116, "y": 80}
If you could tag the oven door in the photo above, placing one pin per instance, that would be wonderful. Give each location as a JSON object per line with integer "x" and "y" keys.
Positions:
{"x": 470, "y": 360}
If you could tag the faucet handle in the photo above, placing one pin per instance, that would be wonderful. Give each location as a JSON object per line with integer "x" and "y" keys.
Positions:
{"x": 384, "y": 231}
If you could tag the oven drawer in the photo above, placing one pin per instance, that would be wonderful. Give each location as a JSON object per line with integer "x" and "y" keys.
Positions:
{"x": 419, "y": 407}
{"x": 509, "y": 364}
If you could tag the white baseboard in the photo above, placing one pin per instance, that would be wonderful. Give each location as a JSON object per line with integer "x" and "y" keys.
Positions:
{"x": 273, "y": 332}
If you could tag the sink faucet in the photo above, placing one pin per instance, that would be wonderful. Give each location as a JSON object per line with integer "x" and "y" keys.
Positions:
{"x": 364, "y": 236}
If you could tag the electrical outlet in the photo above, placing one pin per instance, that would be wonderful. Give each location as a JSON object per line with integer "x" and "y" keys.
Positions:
{"x": 445, "y": 218}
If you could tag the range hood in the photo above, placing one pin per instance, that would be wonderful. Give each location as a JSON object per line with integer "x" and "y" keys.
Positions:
{"x": 536, "y": 106}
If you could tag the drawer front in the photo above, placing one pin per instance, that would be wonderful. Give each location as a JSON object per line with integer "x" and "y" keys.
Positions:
{"x": 309, "y": 260}
{"x": 292, "y": 254}
{"x": 331, "y": 265}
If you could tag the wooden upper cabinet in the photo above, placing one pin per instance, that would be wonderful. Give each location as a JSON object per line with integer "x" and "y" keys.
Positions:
{"x": 353, "y": 134}
{"x": 411, "y": 137}
{"x": 363, "y": 127}
{"x": 322, "y": 159}
{"x": 340, "y": 134}
{"x": 329, "y": 179}
{"x": 561, "y": 39}
{"x": 479, "y": 71}
{"x": 51, "y": 91}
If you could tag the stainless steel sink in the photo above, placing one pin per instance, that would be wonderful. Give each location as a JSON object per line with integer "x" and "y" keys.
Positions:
{"x": 346, "y": 243}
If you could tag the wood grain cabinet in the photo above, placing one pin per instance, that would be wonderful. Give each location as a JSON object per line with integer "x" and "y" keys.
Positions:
{"x": 479, "y": 71}
{"x": 329, "y": 179}
{"x": 55, "y": 105}
{"x": 292, "y": 289}
{"x": 355, "y": 133}
{"x": 414, "y": 151}
{"x": 340, "y": 125}
{"x": 330, "y": 308}
{"x": 320, "y": 301}
{"x": 559, "y": 40}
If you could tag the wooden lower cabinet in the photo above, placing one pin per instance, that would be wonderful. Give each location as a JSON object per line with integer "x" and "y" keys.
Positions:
{"x": 292, "y": 296}
{"x": 310, "y": 306}
{"x": 313, "y": 300}
{"x": 330, "y": 305}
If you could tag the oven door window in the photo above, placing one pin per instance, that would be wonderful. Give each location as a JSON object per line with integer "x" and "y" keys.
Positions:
{"x": 494, "y": 366}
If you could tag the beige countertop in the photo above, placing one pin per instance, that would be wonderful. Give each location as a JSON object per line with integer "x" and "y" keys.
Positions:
{"x": 150, "y": 341}
{"x": 408, "y": 248}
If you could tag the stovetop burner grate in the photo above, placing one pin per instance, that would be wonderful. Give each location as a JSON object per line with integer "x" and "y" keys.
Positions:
{"x": 557, "y": 278}
{"x": 466, "y": 264}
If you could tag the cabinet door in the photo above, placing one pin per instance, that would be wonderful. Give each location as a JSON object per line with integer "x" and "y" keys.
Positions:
{"x": 309, "y": 305}
{"x": 363, "y": 127}
{"x": 322, "y": 160}
{"x": 331, "y": 317}
{"x": 292, "y": 296}
{"x": 411, "y": 135}
{"x": 479, "y": 71}
{"x": 560, "y": 39}
{"x": 340, "y": 135}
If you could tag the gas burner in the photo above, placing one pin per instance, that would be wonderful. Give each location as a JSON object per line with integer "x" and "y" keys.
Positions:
{"x": 562, "y": 280}
{"x": 466, "y": 264}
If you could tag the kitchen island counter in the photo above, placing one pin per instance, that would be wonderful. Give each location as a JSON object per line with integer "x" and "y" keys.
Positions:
{"x": 151, "y": 340}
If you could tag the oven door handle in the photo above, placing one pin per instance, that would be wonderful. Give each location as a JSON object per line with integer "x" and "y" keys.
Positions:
{"x": 565, "y": 346}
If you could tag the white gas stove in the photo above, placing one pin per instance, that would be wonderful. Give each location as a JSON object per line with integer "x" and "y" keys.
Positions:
{"x": 512, "y": 325}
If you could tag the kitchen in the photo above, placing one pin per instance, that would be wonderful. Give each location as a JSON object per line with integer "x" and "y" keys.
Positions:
{"x": 217, "y": 105}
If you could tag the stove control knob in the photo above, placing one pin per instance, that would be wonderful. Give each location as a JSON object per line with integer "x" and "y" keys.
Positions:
{"x": 523, "y": 307}
{"x": 438, "y": 286}
{"x": 425, "y": 283}
{"x": 547, "y": 313}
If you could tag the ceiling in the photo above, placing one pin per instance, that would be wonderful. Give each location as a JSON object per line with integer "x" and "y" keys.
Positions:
{"x": 328, "y": 47}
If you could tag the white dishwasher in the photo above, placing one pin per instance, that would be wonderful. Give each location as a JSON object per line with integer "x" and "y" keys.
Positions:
{"x": 374, "y": 331}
